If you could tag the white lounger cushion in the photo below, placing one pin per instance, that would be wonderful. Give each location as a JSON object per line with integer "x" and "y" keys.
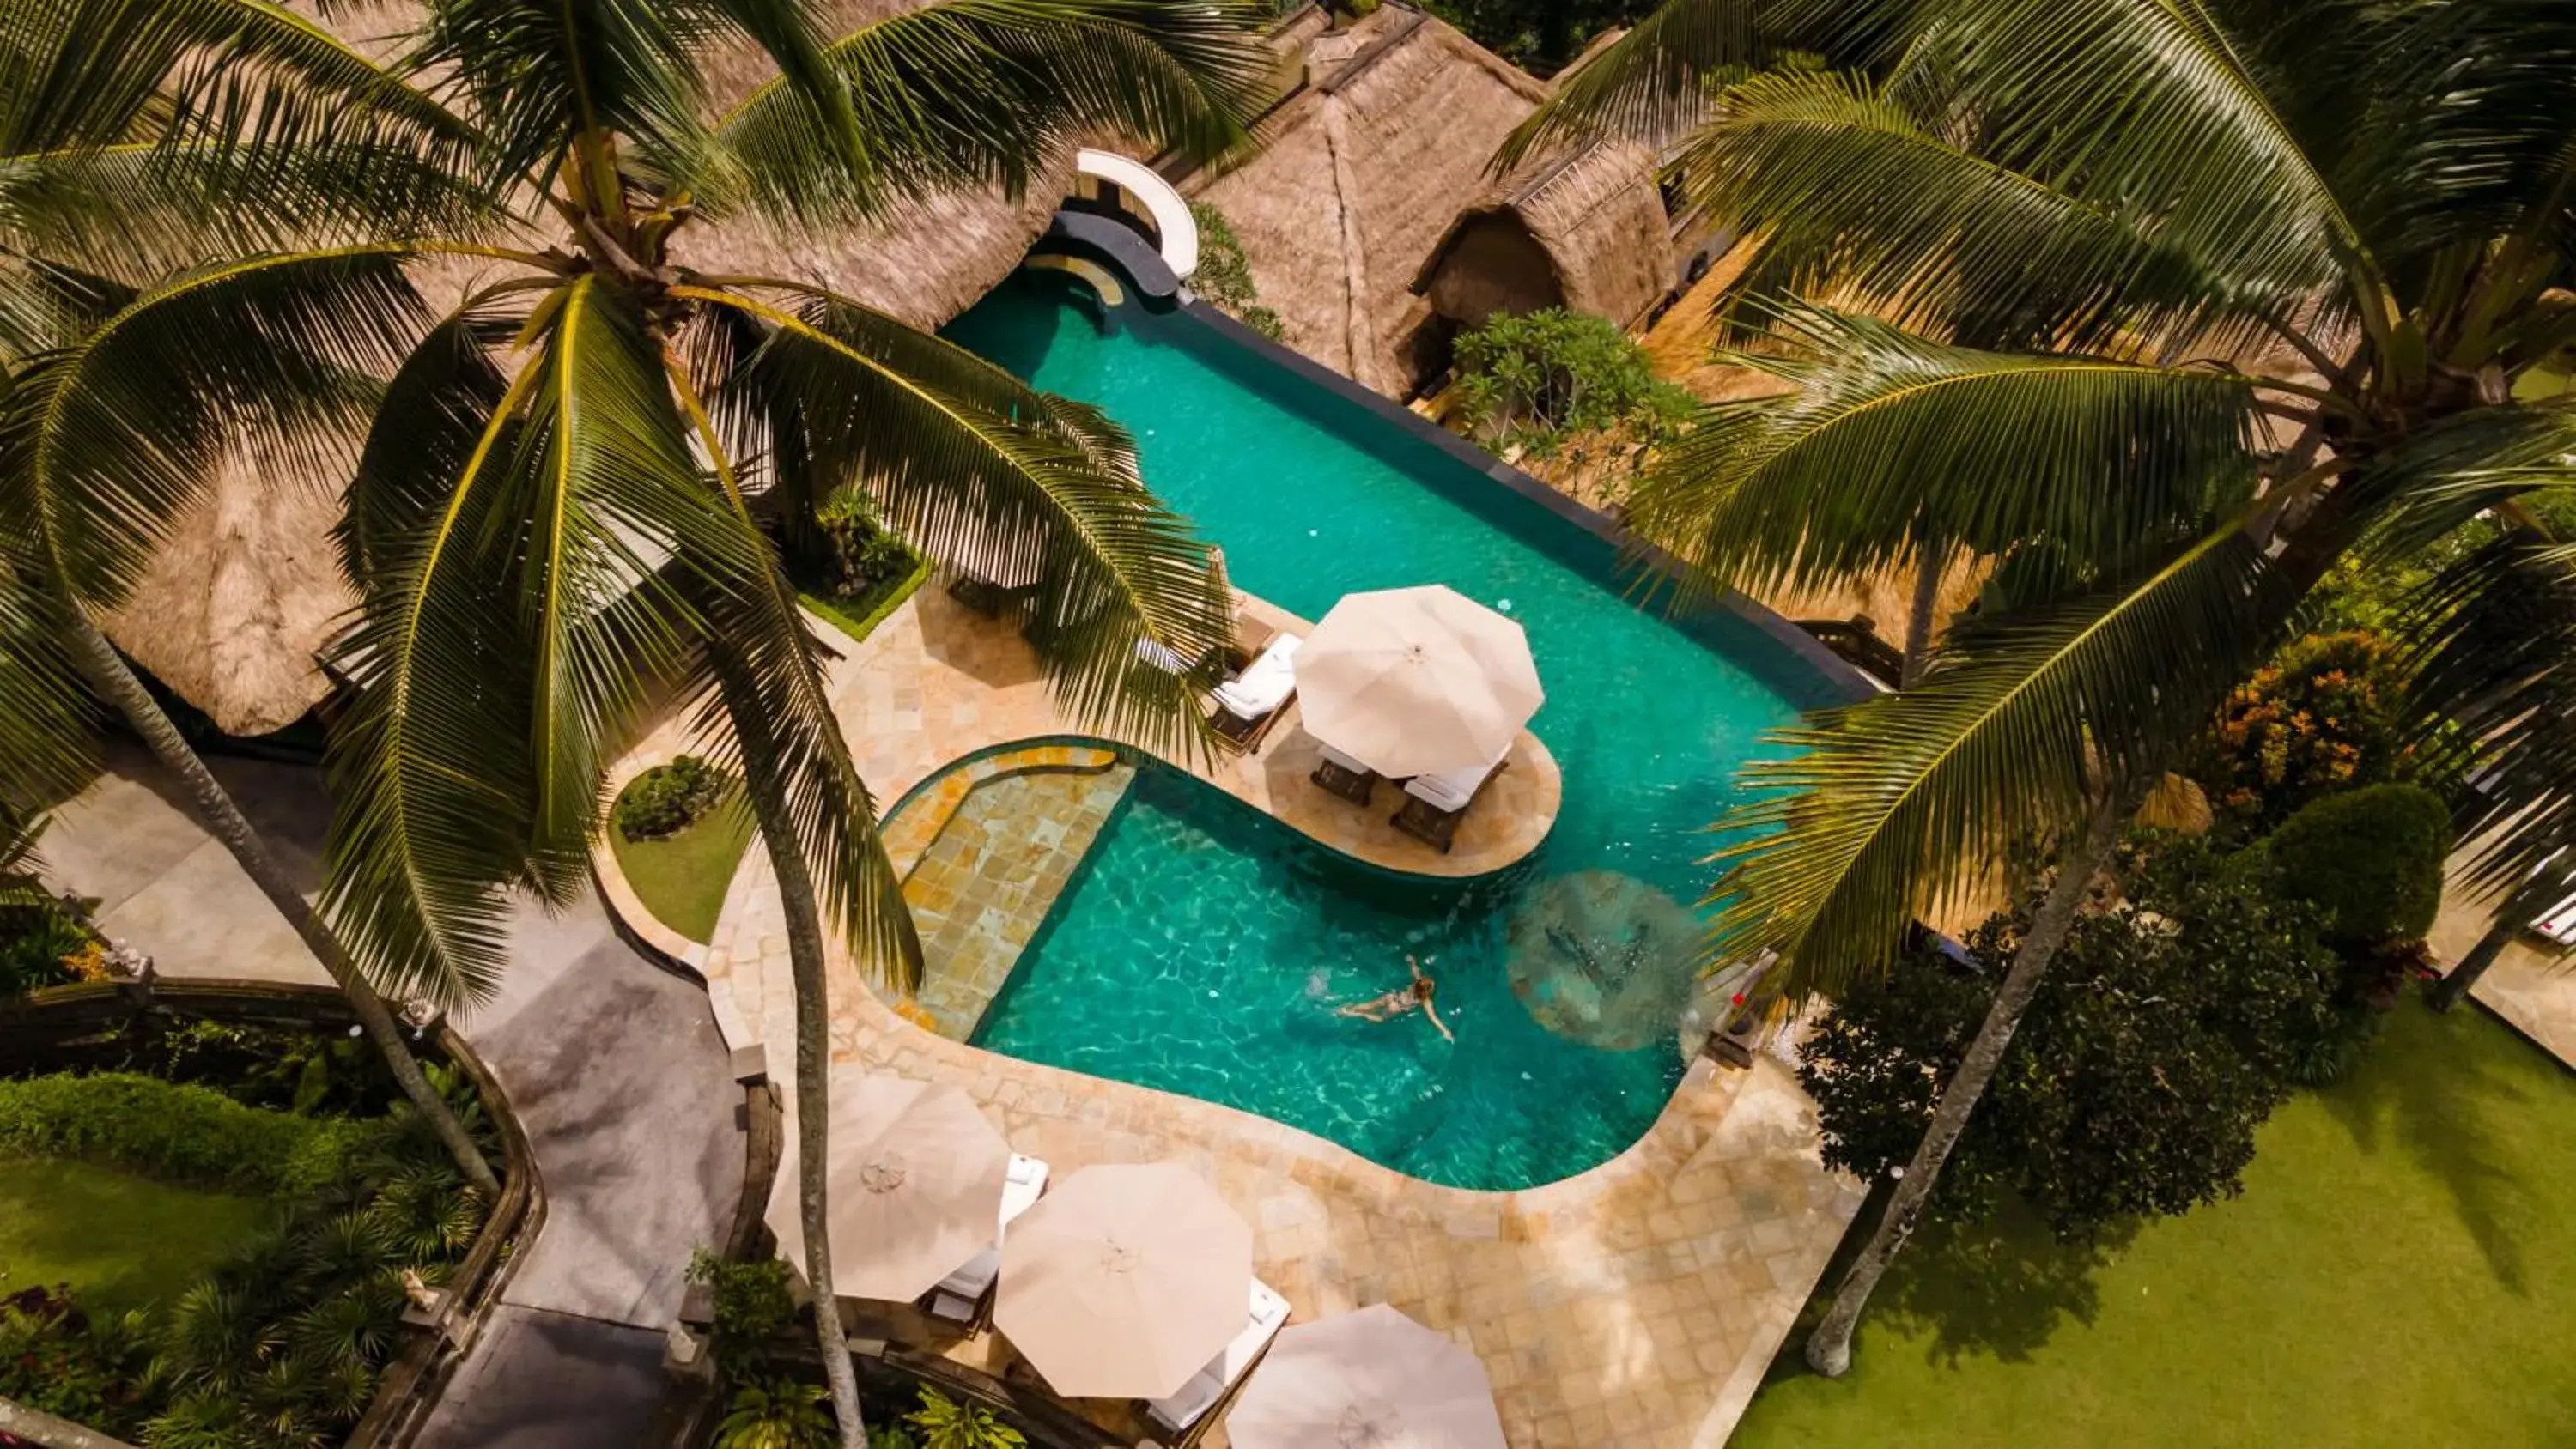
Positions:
{"x": 957, "y": 1294}
{"x": 1452, "y": 789}
{"x": 1187, "y": 1407}
{"x": 1161, "y": 656}
{"x": 2560, "y": 924}
{"x": 1335, "y": 757}
{"x": 1265, "y": 685}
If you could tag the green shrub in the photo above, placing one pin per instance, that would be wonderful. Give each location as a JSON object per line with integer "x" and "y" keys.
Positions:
{"x": 177, "y": 1132}
{"x": 38, "y": 943}
{"x": 58, "y": 1358}
{"x": 947, "y": 1424}
{"x": 1224, "y": 274}
{"x": 776, "y": 1414}
{"x": 2370, "y": 859}
{"x": 2319, "y": 719}
{"x": 668, "y": 799}
{"x": 2164, "y": 1034}
{"x": 864, "y": 554}
{"x": 1538, "y": 378}
{"x": 752, "y": 1306}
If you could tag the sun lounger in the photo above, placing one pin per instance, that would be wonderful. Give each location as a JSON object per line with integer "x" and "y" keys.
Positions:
{"x": 965, "y": 1296}
{"x": 1208, "y": 1387}
{"x": 1342, "y": 775}
{"x": 1434, "y": 804}
{"x": 1251, "y": 702}
{"x": 2560, "y": 924}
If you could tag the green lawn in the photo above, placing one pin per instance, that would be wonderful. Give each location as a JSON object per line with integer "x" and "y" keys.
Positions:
{"x": 123, "y": 1241}
{"x": 2401, "y": 1271}
{"x": 681, "y": 878}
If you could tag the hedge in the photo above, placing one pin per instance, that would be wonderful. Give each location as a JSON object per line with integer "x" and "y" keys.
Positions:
{"x": 175, "y": 1132}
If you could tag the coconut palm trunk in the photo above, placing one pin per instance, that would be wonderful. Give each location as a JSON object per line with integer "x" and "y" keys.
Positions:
{"x": 1829, "y": 1346}
{"x": 116, "y": 683}
{"x": 1918, "y": 618}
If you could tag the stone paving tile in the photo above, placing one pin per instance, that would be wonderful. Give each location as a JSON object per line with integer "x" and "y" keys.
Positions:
{"x": 1637, "y": 1303}
{"x": 2529, "y": 985}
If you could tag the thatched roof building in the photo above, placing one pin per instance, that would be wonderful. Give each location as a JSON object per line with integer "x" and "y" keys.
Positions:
{"x": 248, "y": 589}
{"x": 1374, "y": 177}
{"x": 1585, "y": 230}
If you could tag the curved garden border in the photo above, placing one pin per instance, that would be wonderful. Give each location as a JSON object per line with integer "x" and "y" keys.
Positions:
{"x": 55, "y": 1017}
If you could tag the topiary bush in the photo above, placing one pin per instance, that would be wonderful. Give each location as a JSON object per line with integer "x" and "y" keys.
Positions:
{"x": 2320, "y": 718}
{"x": 668, "y": 799}
{"x": 2370, "y": 860}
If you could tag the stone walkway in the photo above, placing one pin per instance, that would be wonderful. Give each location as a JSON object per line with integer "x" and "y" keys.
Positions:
{"x": 2529, "y": 985}
{"x": 613, "y": 1066}
{"x": 1637, "y": 1304}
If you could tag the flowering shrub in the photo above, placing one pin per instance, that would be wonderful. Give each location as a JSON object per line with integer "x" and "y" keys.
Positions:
{"x": 2319, "y": 719}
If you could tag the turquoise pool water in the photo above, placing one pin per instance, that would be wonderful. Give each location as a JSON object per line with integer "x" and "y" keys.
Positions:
{"x": 1204, "y": 946}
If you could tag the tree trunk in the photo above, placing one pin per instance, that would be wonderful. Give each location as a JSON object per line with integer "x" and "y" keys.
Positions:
{"x": 1829, "y": 1347}
{"x": 1918, "y": 619}
{"x": 224, "y": 820}
{"x": 2448, "y": 991}
{"x": 813, "y": 1071}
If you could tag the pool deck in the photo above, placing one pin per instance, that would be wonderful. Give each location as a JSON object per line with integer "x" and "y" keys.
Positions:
{"x": 1638, "y": 1303}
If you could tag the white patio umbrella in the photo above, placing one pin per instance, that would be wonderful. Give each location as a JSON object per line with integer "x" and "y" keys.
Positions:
{"x": 1373, "y": 1379}
{"x": 915, "y": 1187}
{"x": 1417, "y": 681}
{"x": 1125, "y": 1280}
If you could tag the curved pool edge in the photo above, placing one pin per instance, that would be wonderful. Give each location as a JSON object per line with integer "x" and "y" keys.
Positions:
{"x": 1666, "y": 1277}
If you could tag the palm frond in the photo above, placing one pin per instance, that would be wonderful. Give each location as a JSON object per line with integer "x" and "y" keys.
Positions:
{"x": 2153, "y": 106}
{"x": 972, "y": 466}
{"x": 1900, "y": 805}
{"x": 104, "y": 443}
{"x": 1888, "y": 439}
{"x": 764, "y": 701}
{"x": 985, "y": 92}
{"x": 48, "y": 721}
{"x": 1850, "y": 194}
{"x": 507, "y": 647}
{"x": 535, "y": 76}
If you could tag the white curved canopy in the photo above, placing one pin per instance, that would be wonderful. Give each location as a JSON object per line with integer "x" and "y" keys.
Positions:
{"x": 1172, "y": 221}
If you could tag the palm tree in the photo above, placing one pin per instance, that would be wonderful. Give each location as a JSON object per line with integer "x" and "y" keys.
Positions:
{"x": 2254, "y": 284}
{"x": 129, "y": 146}
{"x": 555, "y": 500}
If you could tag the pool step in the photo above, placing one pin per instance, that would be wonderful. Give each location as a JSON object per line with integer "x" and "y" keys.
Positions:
{"x": 917, "y": 821}
{"x": 1010, "y": 833}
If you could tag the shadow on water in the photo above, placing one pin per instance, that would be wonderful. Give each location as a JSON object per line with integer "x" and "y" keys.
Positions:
{"x": 2441, "y": 1107}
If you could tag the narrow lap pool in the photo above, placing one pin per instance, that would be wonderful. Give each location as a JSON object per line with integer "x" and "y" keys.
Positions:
{"x": 1204, "y": 946}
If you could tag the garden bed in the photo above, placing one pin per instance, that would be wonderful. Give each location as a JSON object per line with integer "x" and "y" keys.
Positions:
{"x": 682, "y": 877}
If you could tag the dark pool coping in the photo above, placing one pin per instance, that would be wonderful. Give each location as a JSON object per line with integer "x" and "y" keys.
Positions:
{"x": 1852, "y": 685}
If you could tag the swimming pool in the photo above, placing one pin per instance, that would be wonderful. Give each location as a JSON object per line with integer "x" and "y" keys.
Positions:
{"x": 1203, "y": 947}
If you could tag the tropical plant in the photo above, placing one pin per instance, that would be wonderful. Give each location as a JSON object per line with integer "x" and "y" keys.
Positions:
{"x": 2321, "y": 717}
{"x": 136, "y": 139}
{"x": 775, "y": 1414}
{"x": 2252, "y": 284}
{"x": 1224, "y": 274}
{"x": 551, "y": 505}
{"x": 1535, "y": 378}
{"x": 947, "y": 1424}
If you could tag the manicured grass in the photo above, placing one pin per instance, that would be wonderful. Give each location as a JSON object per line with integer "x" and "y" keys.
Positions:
{"x": 2399, "y": 1272}
{"x": 123, "y": 1241}
{"x": 681, "y": 878}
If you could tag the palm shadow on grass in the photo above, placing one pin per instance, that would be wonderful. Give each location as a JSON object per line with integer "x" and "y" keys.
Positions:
{"x": 2443, "y": 1108}
{"x": 1996, "y": 1289}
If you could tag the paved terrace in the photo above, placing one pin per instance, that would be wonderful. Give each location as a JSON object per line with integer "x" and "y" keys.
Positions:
{"x": 1636, "y": 1304}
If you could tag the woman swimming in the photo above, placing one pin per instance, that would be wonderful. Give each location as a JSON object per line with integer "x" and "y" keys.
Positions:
{"x": 1401, "y": 1000}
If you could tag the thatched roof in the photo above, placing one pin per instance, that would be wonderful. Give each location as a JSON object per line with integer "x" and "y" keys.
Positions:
{"x": 1584, "y": 230}
{"x": 1362, "y": 175}
{"x": 247, "y": 589}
